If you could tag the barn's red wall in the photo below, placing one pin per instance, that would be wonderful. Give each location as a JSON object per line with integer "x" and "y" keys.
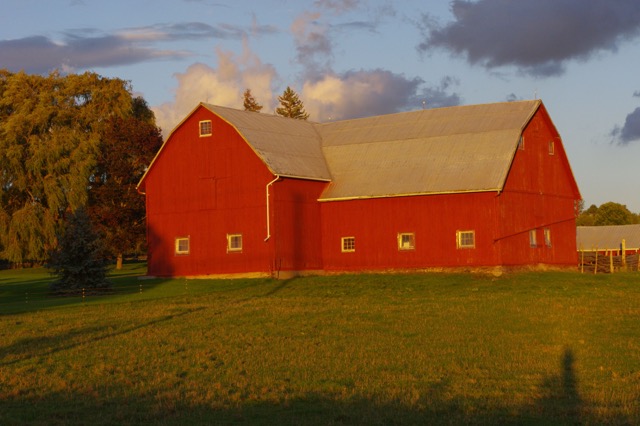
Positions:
{"x": 205, "y": 188}
{"x": 539, "y": 193}
{"x": 296, "y": 224}
{"x": 434, "y": 219}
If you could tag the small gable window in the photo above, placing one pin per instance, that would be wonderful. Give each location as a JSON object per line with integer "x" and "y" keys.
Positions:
{"x": 533, "y": 241}
{"x": 552, "y": 148}
{"x": 234, "y": 243}
{"x": 348, "y": 244}
{"x": 406, "y": 241}
{"x": 521, "y": 143}
{"x": 182, "y": 245}
{"x": 205, "y": 128}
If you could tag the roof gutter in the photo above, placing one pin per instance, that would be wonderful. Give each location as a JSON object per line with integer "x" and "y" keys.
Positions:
{"x": 268, "y": 211}
{"x": 411, "y": 194}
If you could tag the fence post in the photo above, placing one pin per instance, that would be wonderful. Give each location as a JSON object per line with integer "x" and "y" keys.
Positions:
{"x": 611, "y": 261}
{"x": 595, "y": 267}
{"x": 623, "y": 246}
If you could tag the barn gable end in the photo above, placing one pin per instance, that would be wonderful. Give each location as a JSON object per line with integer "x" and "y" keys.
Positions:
{"x": 206, "y": 190}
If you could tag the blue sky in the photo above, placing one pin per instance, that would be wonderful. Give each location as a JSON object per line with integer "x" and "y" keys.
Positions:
{"x": 354, "y": 58}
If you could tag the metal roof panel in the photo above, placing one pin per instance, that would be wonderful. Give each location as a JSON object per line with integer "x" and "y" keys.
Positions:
{"x": 607, "y": 237}
{"x": 455, "y": 149}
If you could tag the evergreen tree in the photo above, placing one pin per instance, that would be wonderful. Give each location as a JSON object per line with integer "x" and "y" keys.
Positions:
{"x": 291, "y": 106}
{"x": 250, "y": 103}
{"x": 78, "y": 262}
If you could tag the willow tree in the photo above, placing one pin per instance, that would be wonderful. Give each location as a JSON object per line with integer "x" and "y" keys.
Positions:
{"x": 51, "y": 129}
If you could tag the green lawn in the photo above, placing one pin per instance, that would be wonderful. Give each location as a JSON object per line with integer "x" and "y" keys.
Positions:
{"x": 525, "y": 348}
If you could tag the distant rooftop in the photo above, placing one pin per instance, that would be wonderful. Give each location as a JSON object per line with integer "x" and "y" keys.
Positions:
{"x": 608, "y": 237}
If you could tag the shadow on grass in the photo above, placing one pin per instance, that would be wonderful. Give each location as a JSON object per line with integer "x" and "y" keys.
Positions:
{"x": 280, "y": 285}
{"x": 560, "y": 405}
{"x": 20, "y": 293}
{"x": 53, "y": 343}
{"x": 560, "y": 397}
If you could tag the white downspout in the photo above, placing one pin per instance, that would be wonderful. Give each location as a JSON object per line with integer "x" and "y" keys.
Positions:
{"x": 268, "y": 215}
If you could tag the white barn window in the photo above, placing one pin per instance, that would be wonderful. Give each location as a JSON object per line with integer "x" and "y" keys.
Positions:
{"x": 406, "y": 241}
{"x": 348, "y": 244}
{"x": 547, "y": 237}
{"x": 182, "y": 245}
{"x": 205, "y": 128}
{"x": 234, "y": 243}
{"x": 466, "y": 239}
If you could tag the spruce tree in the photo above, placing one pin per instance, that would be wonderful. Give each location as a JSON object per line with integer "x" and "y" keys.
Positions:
{"x": 250, "y": 103}
{"x": 291, "y": 106}
{"x": 78, "y": 262}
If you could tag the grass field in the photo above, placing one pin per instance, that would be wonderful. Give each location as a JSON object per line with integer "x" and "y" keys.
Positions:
{"x": 525, "y": 348}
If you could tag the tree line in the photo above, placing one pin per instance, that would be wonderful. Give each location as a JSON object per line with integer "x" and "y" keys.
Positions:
{"x": 68, "y": 143}
{"x": 609, "y": 213}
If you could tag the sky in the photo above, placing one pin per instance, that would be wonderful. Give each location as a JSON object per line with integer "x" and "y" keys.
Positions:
{"x": 357, "y": 58}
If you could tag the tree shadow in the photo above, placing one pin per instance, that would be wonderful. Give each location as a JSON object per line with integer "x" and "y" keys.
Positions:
{"x": 279, "y": 286}
{"x": 20, "y": 295}
{"x": 561, "y": 404}
{"x": 53, "y": 343}
{"x": 561, "y": 400}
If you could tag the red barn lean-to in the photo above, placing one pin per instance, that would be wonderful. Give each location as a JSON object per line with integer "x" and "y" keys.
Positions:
{"x": 237, "y": 192}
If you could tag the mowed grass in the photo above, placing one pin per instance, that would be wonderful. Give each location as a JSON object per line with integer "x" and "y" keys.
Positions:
{"x": 523, "y": 348}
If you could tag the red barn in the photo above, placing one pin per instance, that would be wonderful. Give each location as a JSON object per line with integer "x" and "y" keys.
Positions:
{"x": 236, "y": 192}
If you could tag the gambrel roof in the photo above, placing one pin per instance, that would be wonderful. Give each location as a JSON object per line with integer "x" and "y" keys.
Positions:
{"x": 432, "y": 151}
{"x": 444, "y": 150}
{"x": 288, "y": 147}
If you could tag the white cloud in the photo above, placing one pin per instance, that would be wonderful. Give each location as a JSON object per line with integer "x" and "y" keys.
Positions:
{"x": 223, "y": 86}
